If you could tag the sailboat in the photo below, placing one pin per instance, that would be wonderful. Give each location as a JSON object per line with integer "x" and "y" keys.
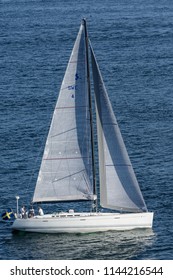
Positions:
{"x": 68, "y": 168}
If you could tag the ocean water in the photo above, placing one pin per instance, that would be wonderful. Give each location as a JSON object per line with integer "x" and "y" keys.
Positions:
{"x": 133, "y": 43}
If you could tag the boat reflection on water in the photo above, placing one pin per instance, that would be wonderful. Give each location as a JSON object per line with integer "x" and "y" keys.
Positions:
{"x": 103, "y": 246}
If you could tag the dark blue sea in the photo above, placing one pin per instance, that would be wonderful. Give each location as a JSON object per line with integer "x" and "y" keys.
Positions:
{"x": 133, "y": 43}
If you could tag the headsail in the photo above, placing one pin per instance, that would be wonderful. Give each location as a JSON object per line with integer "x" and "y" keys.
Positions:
{"x": 119, "y": 188}
{"x": 66, "y": 169}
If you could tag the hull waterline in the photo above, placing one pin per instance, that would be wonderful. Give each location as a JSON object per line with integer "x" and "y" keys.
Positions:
{"x": 83, "y": 222}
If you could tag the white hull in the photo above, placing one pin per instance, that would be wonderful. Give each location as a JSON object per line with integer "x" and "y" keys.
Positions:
{"x": 83, "y": 222}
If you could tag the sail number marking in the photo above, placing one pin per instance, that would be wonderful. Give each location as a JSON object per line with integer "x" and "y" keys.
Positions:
{"x": 133, "y": 270}
{"x": 74, "y": 86}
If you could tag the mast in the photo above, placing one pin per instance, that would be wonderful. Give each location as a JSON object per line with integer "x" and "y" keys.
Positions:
{"x": 90, "y": 112}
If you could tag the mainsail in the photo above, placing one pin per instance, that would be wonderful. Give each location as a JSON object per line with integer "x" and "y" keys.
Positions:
{"x": 66, "y": 169}
{"x": 119, "y": 188}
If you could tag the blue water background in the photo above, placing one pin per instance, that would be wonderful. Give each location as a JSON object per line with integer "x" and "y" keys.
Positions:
{"x": 133, "y": 42}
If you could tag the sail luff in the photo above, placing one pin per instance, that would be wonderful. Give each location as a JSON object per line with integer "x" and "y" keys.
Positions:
{"x": 119, "y": 189}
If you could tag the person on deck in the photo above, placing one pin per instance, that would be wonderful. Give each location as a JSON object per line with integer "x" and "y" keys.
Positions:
{"x": 23, "y": 212}
{"x": 31, "y": 212}
{"x": 40, "y": 211}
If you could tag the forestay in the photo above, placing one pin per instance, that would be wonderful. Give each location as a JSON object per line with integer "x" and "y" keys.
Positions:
{"x": 66, "y": 169}
{"x": 119, "y": 188}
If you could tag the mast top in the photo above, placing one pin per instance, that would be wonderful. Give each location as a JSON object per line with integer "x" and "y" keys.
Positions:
{"x": 84, "y": 20}
{"x": 84, "y": 23}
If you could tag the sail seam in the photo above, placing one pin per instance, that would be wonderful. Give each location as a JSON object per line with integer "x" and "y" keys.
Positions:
{"x": 71, "y": 107}
{"x": 63, "y": 132}
{"x": 65, "y": 158}
{"x": 75, "y": 61}
{"x": 70, "y": 175}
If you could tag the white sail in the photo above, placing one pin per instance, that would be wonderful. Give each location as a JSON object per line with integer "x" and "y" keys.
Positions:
{"x": 119, "y": 188}
{"x": 66, "y": 169}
